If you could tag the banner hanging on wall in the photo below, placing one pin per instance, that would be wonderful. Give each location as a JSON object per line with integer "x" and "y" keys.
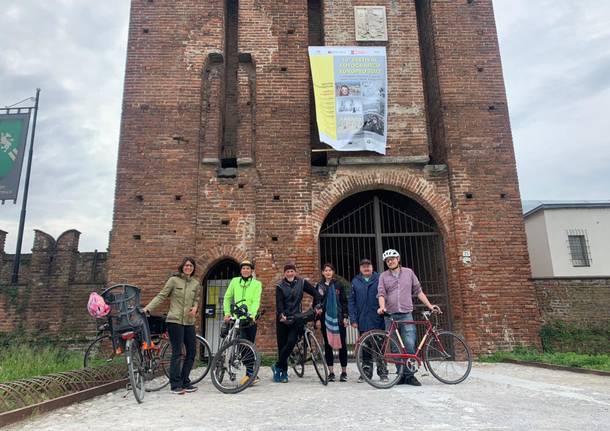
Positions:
{"x": 350, "y": 89}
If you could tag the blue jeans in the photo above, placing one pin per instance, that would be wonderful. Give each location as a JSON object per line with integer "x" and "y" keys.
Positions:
{"x": 408, "y": 334}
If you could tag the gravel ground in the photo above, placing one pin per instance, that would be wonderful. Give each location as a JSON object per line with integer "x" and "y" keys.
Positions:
{"x": 494, "y": 397}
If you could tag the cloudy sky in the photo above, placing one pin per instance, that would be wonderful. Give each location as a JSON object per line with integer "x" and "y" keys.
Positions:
{"x": 556, "y": 57}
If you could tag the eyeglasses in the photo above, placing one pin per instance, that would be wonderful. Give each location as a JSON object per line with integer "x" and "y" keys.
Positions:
{"x": 187, "y": 265}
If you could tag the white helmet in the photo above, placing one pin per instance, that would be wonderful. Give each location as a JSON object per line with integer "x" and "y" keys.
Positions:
{"x": 390, "y": 253}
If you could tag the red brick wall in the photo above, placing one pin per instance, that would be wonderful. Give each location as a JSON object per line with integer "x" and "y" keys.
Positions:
{"x": 172, "y": 121}
{"x": 54, "y": 286}
{"x": 582, "y": 301}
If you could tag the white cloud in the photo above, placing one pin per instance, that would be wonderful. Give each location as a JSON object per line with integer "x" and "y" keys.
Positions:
{"x": 556, "y": 57}
{"x": 74, "y": 51}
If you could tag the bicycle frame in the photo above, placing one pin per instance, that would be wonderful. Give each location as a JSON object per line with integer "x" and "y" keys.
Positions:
{"x": 403, "y": 356}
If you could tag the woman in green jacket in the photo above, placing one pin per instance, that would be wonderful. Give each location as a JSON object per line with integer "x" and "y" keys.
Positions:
{"x": 183, "y": 291}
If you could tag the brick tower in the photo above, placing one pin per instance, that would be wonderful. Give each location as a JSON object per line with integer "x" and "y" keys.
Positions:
{"x": 219, "y": 158}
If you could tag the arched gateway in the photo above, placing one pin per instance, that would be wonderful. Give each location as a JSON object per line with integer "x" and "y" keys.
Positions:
{"x": 215, "y": 285}
{"x": 365, "y": 224}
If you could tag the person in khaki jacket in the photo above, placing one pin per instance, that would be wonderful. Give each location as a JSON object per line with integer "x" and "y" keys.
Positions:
{"x": 183, "y": 291}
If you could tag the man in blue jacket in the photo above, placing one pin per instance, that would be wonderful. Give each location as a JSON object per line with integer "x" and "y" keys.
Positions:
{"x": 363, "y": 314}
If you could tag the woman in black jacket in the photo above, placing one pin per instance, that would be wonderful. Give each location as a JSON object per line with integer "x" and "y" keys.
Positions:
{"x": 333, "y": 321}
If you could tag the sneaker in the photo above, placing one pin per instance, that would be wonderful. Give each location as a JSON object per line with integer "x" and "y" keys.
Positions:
{"x": 361, "y": 379}
{"x": 276, "y": 373}
{"x": 178, "y": 391}
{"x": 284, "y": 377}
{"x": 190, "y": 388}
{"x": 343, "y": 377}
{"x": 256, "y": 380}
{"x": 384, "y": 378}
{"x": 244, "y": 380}
{"x": 331, "y": 377}
{"x": 412, "y": 381}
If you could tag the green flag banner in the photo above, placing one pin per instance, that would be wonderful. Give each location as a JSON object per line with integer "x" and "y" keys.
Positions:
{"x": 13, "y": 135}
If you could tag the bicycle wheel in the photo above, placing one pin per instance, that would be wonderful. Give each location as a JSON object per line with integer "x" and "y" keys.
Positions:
{"x": 203, "y": 360}
{"x": 448, "y": 357}
{"x": 317, "y": 357}
{"x": 133, "y": 355}
{"x": 201, "y": 366}
{"x": 379, "y": 370}
{"x": 231, "y": 364}
{"x": 155, "y": 378}
{"x": 297, "y": 358}
{"x": 101, "y": 352}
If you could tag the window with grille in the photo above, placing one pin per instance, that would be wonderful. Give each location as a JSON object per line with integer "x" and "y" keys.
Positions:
{"x": 579, "y": 248}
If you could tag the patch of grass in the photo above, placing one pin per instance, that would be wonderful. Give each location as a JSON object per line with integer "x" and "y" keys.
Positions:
{"x": 19, "y": 361}
{"x": 568, "y": 359}
{"x": 268, "y": 360}
{"x": 566, "y": 337}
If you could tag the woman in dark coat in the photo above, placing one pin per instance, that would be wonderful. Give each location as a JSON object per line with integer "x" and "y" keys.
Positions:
{"x": 333, "y": 321}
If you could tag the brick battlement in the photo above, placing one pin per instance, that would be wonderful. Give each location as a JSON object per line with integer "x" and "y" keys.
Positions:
{"x": 55, "y": 281}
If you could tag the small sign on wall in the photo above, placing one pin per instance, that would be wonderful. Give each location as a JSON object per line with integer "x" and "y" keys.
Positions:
{"x": 210, "y": 311}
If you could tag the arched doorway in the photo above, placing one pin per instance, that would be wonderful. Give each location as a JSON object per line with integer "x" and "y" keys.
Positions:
{"x": 215, "y": 285}
{"x": 365, "y": 224}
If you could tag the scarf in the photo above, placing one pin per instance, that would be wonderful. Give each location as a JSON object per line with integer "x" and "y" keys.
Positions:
{"x": 331, "y": 318}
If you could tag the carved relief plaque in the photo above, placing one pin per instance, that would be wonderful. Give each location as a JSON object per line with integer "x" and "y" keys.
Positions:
{"x": 371, "y": 23}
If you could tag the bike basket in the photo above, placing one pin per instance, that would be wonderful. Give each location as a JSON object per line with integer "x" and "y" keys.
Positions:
{"x": 156, "y": 325}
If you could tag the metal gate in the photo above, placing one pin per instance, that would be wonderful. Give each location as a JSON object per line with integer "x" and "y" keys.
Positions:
{"x": 366, "y": 224}
{"x": 215, "y": 285}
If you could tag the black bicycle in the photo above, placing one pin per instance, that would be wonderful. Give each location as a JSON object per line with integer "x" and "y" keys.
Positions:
{"x": 236, "y": 364}
{"x": 308, "y": 349}
{"x": 101, "y": 351}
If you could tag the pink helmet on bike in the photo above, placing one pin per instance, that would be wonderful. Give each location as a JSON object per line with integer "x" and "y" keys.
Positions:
{"x": 96, "y": 306}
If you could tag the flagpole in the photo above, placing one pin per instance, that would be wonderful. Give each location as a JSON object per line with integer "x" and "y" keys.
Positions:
{"x": 15, "y": 278}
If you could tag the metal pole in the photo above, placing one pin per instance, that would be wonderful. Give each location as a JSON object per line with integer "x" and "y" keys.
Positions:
{"x": 15, "y": 278}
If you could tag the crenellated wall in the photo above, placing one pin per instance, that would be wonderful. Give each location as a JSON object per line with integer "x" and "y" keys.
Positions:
{"x": 55, "y": 281}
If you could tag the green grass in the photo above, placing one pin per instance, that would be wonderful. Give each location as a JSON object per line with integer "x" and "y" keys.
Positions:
{"x": 19, "y": 361}
{"x": 568, "y": 359}
{"x": 267, "y": 360}
{"x": 566, "y": 337}
{"x": 565, "y": 344}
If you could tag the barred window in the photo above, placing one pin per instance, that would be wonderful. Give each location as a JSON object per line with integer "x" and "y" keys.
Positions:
{"x": 579, "y": 248}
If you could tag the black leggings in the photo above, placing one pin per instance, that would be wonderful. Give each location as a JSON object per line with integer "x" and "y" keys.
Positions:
{"x": 287, "y": 337}
{"x": 328, "y": 351}
{"x": 179, "y": 335}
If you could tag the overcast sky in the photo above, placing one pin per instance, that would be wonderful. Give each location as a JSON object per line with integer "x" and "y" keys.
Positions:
{"x": 556, "y": 57}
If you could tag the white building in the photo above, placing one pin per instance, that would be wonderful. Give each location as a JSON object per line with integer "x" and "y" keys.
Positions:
{"x": 568, "y": 239}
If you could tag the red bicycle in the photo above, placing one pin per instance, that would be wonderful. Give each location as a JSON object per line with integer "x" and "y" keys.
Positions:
{"x": 444, "y": 354}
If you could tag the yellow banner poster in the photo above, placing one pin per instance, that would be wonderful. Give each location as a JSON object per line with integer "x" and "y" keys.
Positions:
{"x": 350, "y": 96}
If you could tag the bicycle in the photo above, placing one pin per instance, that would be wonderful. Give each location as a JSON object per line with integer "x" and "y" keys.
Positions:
{"x": 440, "y": 348}
{"x": 236, "y": 363}
{"x": 102, "y": 351}
{"x": 308, "y": 342}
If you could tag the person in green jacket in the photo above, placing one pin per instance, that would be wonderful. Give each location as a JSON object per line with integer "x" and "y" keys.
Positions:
{"x": 183, "y": 290}
{"x": 248, "y": 289}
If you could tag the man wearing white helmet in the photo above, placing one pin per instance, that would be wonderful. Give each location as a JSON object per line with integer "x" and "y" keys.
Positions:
{"x": 396, "y": 288}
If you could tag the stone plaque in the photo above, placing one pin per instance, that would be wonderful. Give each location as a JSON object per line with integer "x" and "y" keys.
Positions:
{"x": 371, "y": 23}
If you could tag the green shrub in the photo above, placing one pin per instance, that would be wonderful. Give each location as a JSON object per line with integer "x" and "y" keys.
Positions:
{"x": 565, "y": 337}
